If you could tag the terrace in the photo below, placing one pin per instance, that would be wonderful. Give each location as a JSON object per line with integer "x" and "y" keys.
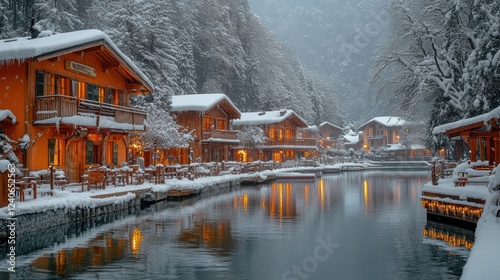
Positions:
{"x": 52, "y": 106}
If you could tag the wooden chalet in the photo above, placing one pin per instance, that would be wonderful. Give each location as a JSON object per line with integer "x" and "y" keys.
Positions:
{"x": 380, "y": 131}
{"x": 209, "y": 117}
{"x": 70, "y": 94}
{"x": 282, "y": 128}
{"x": 329, "y": 135}
{"x": 479, "y": 135}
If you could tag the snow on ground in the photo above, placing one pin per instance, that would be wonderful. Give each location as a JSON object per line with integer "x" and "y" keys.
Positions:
{"x": 446, "y": 186}
{"x": 483, "y": 258}
{"x": 482, "y": 262}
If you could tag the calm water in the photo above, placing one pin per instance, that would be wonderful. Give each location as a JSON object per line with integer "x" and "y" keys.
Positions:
{"x": 347, "y": 226}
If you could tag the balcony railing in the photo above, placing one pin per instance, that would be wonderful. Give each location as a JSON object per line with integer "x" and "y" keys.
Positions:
{"x": 220, "y": 134}
{"x": 66, "y": 106}
{"x": 293, "y": 142}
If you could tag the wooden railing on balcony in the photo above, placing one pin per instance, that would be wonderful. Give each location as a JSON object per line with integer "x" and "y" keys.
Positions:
{"x": 65, "y": 106}
{"x": 220, "y": 134}
{"x": 293, "y": 142}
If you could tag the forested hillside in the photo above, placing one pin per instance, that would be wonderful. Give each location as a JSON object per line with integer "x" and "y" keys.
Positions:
{"x": 337, "y": 38}
{"x": 442, "y": 62}
{"x": 191, "y": 46}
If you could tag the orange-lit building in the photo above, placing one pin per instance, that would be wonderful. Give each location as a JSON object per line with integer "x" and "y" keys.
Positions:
{"x": 70, "y": 95}
{"x": 329, "y": 135}
{"x": 283, "y": 129}
{"x": 380, "y": 131}
{"x": 209, "y": 117}
{"x": 479, "y": 135}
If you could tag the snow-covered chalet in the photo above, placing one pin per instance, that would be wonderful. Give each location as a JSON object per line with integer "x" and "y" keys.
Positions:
{"x": 283, "y": 131}
{"x": 208, "y": 117}
{"x": 70, "y": 95}
{"x": 381, "y": 131}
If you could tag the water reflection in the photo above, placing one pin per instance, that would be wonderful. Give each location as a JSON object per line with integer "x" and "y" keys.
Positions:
{"x": 260, "y": 232}
{"x": 449, "y": 237}
{"x": 101, "y": 250}
{"x": 214, "y": 235}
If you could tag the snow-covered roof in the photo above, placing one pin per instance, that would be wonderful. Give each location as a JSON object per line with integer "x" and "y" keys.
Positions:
{"x": 267, "y": 117}
{"x": 352, "y": 139}
{"x": 18, "y": 49}
{"x": 494, "y": 114}
{"x": 199, "y": 102}
{"x": 4, "y": 114}
{"x": 457, "y": 124}
{"x": 330, "y": 124}
{"x": 386, "y": 121}
{"x": 479, "y": 120}
{"x": 399, "y": 147}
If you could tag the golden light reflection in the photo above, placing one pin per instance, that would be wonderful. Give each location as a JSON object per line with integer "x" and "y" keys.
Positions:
{"x": 245, "y": 202}
{"x": 463, "y": 212}
{"x": 398, "y": 192}
{"x": 321, "y": 193}
{"x": 365, "y": 194}
{"x": 101, "y": 250}
{"x": 280, "y": 186}
{"x": 451, "y": 239}
{"x": 215, "y": 235}
{"x": 136, "y": 240}
{"x": 241, "y": 202}
{"x": 306, "y": 194}
{"x": 280, "y": 204}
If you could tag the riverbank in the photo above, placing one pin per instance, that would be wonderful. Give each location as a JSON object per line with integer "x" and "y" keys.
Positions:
{"x": 70, "y": 204}
{"x": 478, "y": 202}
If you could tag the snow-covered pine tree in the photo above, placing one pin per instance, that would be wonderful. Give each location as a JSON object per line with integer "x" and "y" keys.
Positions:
{"x": 58, "y": 16}
{"x": 481, "y": 72}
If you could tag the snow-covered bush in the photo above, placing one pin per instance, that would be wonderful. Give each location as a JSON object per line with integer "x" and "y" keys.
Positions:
{"x": 7, "y": 149}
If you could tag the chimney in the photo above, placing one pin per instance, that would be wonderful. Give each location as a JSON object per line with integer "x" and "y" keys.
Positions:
{"x": 33, "y": 30}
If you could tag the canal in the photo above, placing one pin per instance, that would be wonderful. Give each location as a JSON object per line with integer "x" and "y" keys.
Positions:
{"x": 357, "y": 225}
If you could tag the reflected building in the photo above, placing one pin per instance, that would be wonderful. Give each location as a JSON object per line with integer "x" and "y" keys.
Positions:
{"x": 101, "y": 250}
{"x": 214, "y": 235}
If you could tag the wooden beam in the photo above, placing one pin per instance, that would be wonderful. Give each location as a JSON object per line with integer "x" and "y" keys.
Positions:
{"x": 95, "y": 49}
{"x": 110, "y": 65}
{"x": 467, "y": 128}
{"x": 477, "y": 134}
{"x": 135, "y": 88}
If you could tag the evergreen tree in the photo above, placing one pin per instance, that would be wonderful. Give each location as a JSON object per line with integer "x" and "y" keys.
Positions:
{"x": 58, "y": 16}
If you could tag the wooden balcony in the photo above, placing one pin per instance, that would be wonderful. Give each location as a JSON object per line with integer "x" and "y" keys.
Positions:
{"x": 293, "y": 142}
{"x": 220, "y": 134}
{"x": 51, "y": 106}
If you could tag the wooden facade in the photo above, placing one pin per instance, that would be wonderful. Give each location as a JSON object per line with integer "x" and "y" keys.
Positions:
{"x": 71, "y": 98}
{"x": 479, "y": 135}
{"x": 329, "y": 135}
{"x": 209, "y": 117}
{"x": 284, "y": 130}
{"x": 380, "y": 131}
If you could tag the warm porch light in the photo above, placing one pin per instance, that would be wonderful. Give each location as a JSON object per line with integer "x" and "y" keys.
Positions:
{"x": 95, "y": 138}
{"x": 452, "y": 210}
